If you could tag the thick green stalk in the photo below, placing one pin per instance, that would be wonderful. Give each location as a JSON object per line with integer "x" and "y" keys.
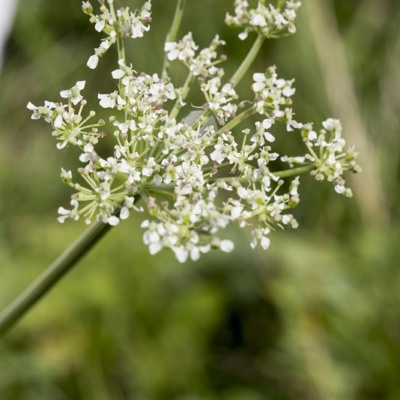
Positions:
{"x": 42, "y": 285}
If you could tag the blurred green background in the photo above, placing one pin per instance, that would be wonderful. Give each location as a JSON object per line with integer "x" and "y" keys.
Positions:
{"x": 316, "y": 317}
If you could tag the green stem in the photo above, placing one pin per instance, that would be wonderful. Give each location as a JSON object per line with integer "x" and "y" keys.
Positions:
{"x": 281, "y": 174}
{"x": 121, "y": 55}
{"x": 120, "y": 41}
{"x": 237, "y": 120}
{"x": 171, "y": 36}
{"x": 246, "y": 63}
{"x": 121, "y": 50}
{"x": 38, "y": 288}
{"x": 294, "y": 171}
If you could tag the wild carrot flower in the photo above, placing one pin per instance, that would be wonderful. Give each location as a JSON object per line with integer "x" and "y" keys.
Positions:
{"x": 195, "y": 170}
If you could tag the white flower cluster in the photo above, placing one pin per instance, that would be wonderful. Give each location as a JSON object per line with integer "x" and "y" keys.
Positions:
{"x": 195, "y": 170}
{"x": 327, "y": 155}
{"x": 268, "y": 20}
{"x": 116, "y": 23}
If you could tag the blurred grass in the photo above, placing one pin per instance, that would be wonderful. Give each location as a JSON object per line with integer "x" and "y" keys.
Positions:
{"x": 315, "y": 317}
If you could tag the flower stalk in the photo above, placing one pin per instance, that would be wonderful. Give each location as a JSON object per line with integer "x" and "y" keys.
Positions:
{"x": 51, "y": 276}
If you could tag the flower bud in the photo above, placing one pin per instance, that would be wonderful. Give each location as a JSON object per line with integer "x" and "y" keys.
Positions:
{"x": 87, "y": 7}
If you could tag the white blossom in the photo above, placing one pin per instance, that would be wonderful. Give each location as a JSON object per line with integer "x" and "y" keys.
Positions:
{"x": 74, "y": 93}
{"x": 266, "y": 19}
{"x": 93, "y": 61}
{"x": 195, "y": 168}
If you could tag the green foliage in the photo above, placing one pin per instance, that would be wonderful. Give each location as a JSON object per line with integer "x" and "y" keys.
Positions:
{"x": 315, "y": 317}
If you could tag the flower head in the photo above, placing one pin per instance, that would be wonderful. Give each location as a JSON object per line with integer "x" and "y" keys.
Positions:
{"x": 196, "y": 169}
{"x": 266, "y": 20}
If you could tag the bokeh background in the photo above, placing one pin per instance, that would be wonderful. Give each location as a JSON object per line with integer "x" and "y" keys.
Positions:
{"x": 316, "y": 317}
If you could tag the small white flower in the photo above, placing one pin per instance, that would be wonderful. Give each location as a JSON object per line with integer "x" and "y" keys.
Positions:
{"x": 288, "y": 91}
{"x": 181, "y": 253}
{"x": 138, "y": 29}
{"x": 172, "y": 50}
{"x": 243, "y": 35}
{"x": 312, "y": 135}
{"x": 99, "y": 26}
{"x": 87, "y": 154}
{"x": 118, "y": 73}
{"x": 73, "y": 213}
{"x": 265, "y": 242}
{"x": 340, "y": 189}
{"x": 32, "y": 107}
{"x": 332, "y": 124}
{"x": 227, "y": 246}
{"x": 74, "y": 93}
{"x": 259, "y": 82}
{"x": 93, "y": 61}
{"x": 260, "y": 235}
{"x": 124, "y": 214}
{"x": 107, "y": 100}
{"x": 113, "y": 220}
{"x": 258, "y": 20}
{"x": 243, "y": 193}
{"x": 267, "y": 123}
